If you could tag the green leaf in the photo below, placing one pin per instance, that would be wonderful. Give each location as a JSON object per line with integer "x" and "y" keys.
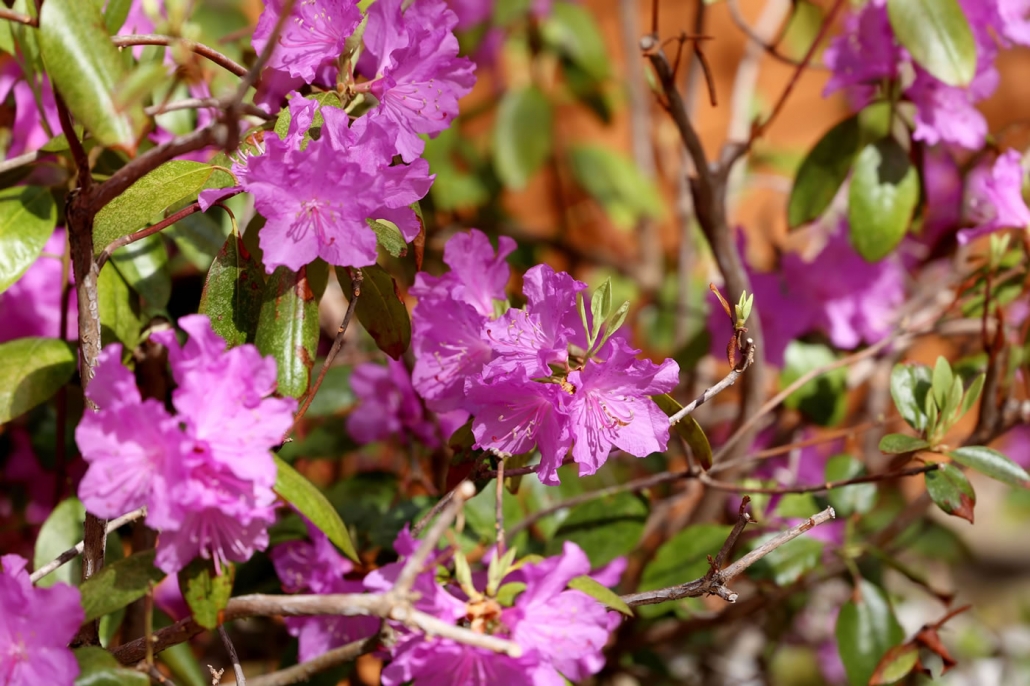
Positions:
{"x": 61, "y": 530}
{"x": 895, "y": 665}
{"x": 990, "y": 462}
{"x": 199, "y": 237}
{"x": 937, "y": 35}
{"x": 205, "y": 591}
{"x": 97, "y": 667}
{"x": 682, "y": 558}
{"x": 616, "y": 182}
{"x": 882, "y": 198}
{"x": 910, "y": 384}
{"x": 118, "y": 584}
{"x": 381, "y": 309}
{"x": 858, "y": 498}
{"x": 604, "y": 528}
{"x": 790, "y": 561}
{"x": 522, "y": 135}
{"x": 866, "y": 630}
{"x": 973, "y": 393}
{"x": 291, "y": 486}
{"x": 896, "y": 444}
{"x": 389, "y": 237}
{"x": 940, "y": 384}
{"x": 829, "y": 162}
{"x": 115, "y": 15}
{"x": 572, "y": 32}
{"x": 823, "y": 399}
{"x": 951, "y": 490}
{"x": 28, "y": 216}
{"x": 119, "y": 309}
{"x": 287, "y": 329}
{"x": 86, "y": 69}
{"x": 170, "y": 185}
{"x": 688, "y": 429}
{"x": 31, "y": 371}
{"x": 233, "y": 293}
{"x": 602, "y": 594}
{"x": 144, "y": 266}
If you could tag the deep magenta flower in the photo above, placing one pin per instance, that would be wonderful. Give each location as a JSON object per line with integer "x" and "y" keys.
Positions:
{"x": 948, "y": 114}
{"x": 314, "y": 36}
{"x": 863, "y": 54}
{"x": 417, "y": 76}
{"x": 316, "y": 567}
{"x": 206, "y": 472}
{"x": 29, "y": 131}
{"x": 1014, "y": 16}
{"x": 32, "y": 305}
{"x": 36, "y": 625}
{"x": 995, "y": 197}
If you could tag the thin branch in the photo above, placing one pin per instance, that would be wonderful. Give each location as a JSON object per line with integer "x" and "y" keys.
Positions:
{"x": 750, "y": 32}
{"x": 817, "y": 488}
{"x": 327, "y": 660}
{"x": 727, "y": 381}
{"x": 414, "y": 564}
{"x": 162, "y": 639}
{"x": 155, "y": 674}
{"x": 85, "y": 181}
{"x": 237, "y": 668}
{"x": 499, "y": 508}
{"x": 714, "y": 583}
{"x": 440, "y": 504}
{"x": 17, "y": 18}
{"x": 199, "y": 48}
{"x": 433, "y": 626}
{"x": 105, "y": 255}
{"x": 72, "y": 553}
{"x": 21, "y": 160}
{"x": 199, "y": 103}
{"x": 356, "y": 279}
{"x": 743, "y": 519}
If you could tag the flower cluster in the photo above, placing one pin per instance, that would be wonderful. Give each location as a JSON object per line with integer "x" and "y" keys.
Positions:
{"x": 549, "y": 376}
{"x": 205, "y": 473}
{"x": 837, "y": 293}
{"x": 994, "y": 197}
{"x": 36, "y": 625}
{"x": 867, "y": 53}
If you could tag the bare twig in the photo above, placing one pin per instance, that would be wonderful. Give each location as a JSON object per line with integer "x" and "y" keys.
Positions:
{"x": 817, "y": 488}
{"x": 21, "y": 160}
{"x": 356, "y": 279}
{"x": 72, "y": 553}
{"x": 440, "y": 504}
{"x": 727, "y": 381}
{"x": 155, "y": 674}
{"x": 770, "y": 48}
{"x": 18, "y": 18}
{"x": 414, "y": 564}
{"x": 105, "y": 255}
{"x": 199, "y": 48}
{"x": 200, "y": 103}
{"x": 713, "y": 583}
{"x": 237, "y": 668}
{"x": 327, "y": 660}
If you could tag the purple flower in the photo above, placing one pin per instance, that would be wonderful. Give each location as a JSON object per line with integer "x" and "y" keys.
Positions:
{"x": 29, "y": 131}
{"x": 312, "y": 38}
{"x": 205, "y": 473}
{"x": 317, "y": 199}
{"x": 32, "y": 305}
{"x": 995, "y": 197}
{"x": 36, "y": 625}
{"x": 864, "y": 53}
{"x": 1014, "y": 22}
{"x": 947, "y": 113}
{"x": 470, "y": 12}
{"x": 388, "y": 407}
{"x": 611, "y": 406}
{"x": 418, "y": 76}
{"x": 316, "y": 567}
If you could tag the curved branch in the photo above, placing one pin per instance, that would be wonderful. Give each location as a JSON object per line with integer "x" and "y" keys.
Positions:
{"x": 198, "y": 48}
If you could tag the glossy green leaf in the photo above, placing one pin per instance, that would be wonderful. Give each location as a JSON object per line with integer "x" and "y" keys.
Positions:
{"x": 572, "y": 32}
{"x": 896, "y": 444}
{"x": 940, "y": 382}
{"x": 617, "y": 183}
{"x": 604, "y": 528}
{"x": 233, "y": 293}
{"x": 381, "y": 309}
{"x": 144, "y": 266}
{"x": 858, "y": 498}
{"x": 937, "y": 35}
{"x": 291, "y": 486}
{"x": 389, "y": 237}
{"x": 823, "y": 399}
{"x": 28, "y": 216}
{"x": 990, "y": 462}
{"x": 119, "y": 309}
{"x": 288, "y": 329}
{"x": 522, "y": 135}
{"x": 866, "y": 630}
{"x": 206, "y": 591}
{"x": 688, "y": 429}
{"x": 790, "y": 561}
{"x": 199, "y": 237}
{"x": 168, "y": 186}
{"x": 61, "y": 530}
{"x": 31, "y": 371}
{"x": 882, "y": 198}
{"x": 895, "y": 665}
{"x": 97, "y": 667}
{"x": 118, "y": 584}
{"x": 909, "y": 385}
{"x": 115, "y": 14}
{"x": 87, "y": 70}
{"x": 951, "y": 491}
{"x": 682, "y": 558}
{"x": 602, "y": 594}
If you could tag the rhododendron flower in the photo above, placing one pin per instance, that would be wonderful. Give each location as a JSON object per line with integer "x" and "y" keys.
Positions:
{"x": 388, "y": 407}
{"x": 995, "y": 197}
{"x": 316, "y": 567}
{"x": 32, "y": 305}
{"x": 36, "y": 626}
{"x": 204, "y": 473}
{"x": 417, "y": 76}
{"x": 29, "y": 131}
{"x": 314, "y": 36}
{"x": 863, "y": 54}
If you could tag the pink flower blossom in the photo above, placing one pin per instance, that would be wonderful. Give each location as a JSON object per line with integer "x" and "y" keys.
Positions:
{"x": 36, "y": 625}
{"x": 32, "y": 305}
{"x": 995, "y": 197}
{"x": 313, "y": 37}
